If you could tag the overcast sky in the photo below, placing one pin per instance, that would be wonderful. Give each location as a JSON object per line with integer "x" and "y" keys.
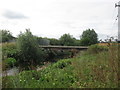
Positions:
{"x": 53, "y": 18}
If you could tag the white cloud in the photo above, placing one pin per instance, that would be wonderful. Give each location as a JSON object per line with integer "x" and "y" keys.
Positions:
{"x": 52, "y": 18}
{"x": 13, "y": 15}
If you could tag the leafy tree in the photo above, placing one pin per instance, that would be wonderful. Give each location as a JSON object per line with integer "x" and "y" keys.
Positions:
{"x": 89, "y": 37}
{"x": 77, "y": 42}
{"x": 67, "y": 40}
{"x": 54, "y": 41}
{"x": 5, "y": 36}
{"x": 30, "y": 54}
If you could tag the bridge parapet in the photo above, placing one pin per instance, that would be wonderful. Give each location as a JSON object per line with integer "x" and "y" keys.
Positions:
{"x": 64, "y": 47}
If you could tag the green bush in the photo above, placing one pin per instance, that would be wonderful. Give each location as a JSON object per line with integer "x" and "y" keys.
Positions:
{"x": 50, "y": 77}
{"x": 62, "y": 63}
{"x": 9, "y": 50}
{"x": 10, "y": 62}
{"x": 94, "y": 49}
{"x": 63, "y": 54}
{"x": 55, "y": 55}
{"x": 29, "y": 52}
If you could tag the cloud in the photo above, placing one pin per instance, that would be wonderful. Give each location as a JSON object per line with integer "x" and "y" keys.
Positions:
{"x": 14, "y": 15}
{"x": 52, "y": 18}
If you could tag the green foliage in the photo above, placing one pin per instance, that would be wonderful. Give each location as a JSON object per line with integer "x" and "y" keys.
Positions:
{"x": 86, "y": 71}
{"x": 29, "y": 51}
{"x": 9, "y": 50}
{"x": 6, "y": 36}
{"x": 51, "y": 77}
{"x": 54, "y": 55}
{"x": 100, "y": 70}
{"x": 62, "y": 63}
{"x": 67, "y": 40}
{"x": 89, "y": 37}
{"x": 54, "y": 41}
{"x": 77, "y": 43}
{"x": 94, "y": 49}
{"x": 85, "y": 41}
{"x": 10, "y": 62}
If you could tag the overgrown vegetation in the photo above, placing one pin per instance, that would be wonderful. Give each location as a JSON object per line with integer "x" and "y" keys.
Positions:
{"x": 6, "y": 36}
{"x": 88, "y": 38}
{"x": 95, "y": 70}
{"x": 9, "y": 50}
{"x": 10, "y": 62}
{"x": 29, "y": 52}
{"x": 94, "y": 49}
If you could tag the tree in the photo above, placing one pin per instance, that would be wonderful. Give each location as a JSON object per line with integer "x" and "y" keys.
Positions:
{"x": 6, "y": 36}
{"x": 54, "y": 41}
{"x": 67, "y": 40}
{"x": 29, "y": 50}
{"x": 89, "y": 37}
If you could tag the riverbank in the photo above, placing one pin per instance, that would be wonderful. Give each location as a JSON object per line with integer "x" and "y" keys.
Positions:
{"x": 87, "y": 70}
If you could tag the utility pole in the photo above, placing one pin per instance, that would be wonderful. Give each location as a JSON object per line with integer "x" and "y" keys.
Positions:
{"x": 118, "y": 5}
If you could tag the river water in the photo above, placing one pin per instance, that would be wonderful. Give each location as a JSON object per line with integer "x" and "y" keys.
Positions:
{"x": 10, "y": 72}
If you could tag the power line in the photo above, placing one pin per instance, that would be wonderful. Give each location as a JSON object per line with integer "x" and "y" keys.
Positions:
{"x": 114, "y": 22}
{"x": 113, "y": 25}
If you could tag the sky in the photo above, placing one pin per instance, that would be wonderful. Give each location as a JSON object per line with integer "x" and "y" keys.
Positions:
{"x": 53, "y": 18}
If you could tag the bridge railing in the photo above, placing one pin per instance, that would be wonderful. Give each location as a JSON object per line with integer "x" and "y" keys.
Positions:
{"x": 64, "y": 47}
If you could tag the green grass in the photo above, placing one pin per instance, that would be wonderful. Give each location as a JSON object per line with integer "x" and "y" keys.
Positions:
{"x": 84, "y": 71}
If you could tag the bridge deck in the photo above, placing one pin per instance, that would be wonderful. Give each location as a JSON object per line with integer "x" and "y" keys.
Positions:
{"x": 65, "y": 47}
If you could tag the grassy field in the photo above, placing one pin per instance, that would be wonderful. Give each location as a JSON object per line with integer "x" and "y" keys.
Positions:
{"x": 89, "y": 69}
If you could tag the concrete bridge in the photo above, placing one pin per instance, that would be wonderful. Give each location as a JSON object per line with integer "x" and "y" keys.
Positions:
{"x": 64, "y": 47}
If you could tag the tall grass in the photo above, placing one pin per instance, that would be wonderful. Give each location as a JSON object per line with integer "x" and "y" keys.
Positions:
{"x": 87, "y": 70}
{"x": 98, "y": 70}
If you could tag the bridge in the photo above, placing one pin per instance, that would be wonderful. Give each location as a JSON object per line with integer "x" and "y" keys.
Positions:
{"x": 64, "y": 47}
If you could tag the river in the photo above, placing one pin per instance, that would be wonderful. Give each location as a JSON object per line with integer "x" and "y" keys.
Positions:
{"x": 10, "y": 72}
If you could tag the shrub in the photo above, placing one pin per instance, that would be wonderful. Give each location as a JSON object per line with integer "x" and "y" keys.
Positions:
{"x": 94, "y": 49}
{"x": 29, "y": 52}
{"x": 10, "y": 62}
{"x": 9, "y": 50}
{"x": 54, "y": 55}
{"x": 50, "y": 77}
{"x": 62, "y": 63}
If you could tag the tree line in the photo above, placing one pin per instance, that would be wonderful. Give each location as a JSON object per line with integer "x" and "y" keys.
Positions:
{"x": 88, "y": 37}
{"x": 26, "y": 49}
